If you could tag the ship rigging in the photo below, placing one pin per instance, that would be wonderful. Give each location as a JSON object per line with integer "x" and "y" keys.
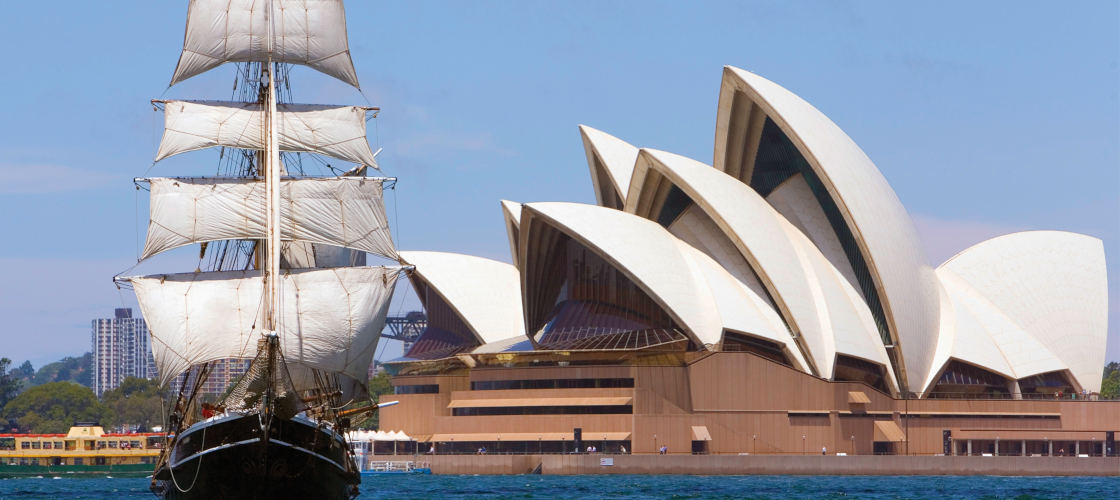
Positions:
{"x": 285, "y": 281}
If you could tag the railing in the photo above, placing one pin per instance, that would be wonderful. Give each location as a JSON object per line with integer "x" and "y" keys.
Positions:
{"x": 1010, "y": 396}
{"x": 395, "y": 465}
{"x": 391, "y": 466}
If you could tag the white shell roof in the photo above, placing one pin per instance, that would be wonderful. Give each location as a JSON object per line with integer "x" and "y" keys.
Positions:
{"x": 974, "y": 346}
{"x": 469, "y": 285}
{"x": 795, "y": 201}
{"x": 742, "y": 309}
{"x": 906, "y": 284}
{"x": 1048, "y": 287}
{"x": 646, "y": 253}
{"x": 512, "y": 344}
{"x": 755, "y": 229}
{"x": 849, "y": 326}
{"x": 825, "y": 309}
{"x": 980, "y": 334}
{"x": 511, "y": 212}
{"x": 616, "y": 157}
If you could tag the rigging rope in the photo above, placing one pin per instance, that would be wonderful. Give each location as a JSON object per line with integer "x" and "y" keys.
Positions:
{"x": 197, "y": 469}
{"x": 136, "y": 218}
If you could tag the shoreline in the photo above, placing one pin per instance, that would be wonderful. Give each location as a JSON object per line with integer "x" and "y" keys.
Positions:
{"x": 807, "y": 465}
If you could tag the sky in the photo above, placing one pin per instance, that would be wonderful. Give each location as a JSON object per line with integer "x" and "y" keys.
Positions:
{"x": 985, "y": 117}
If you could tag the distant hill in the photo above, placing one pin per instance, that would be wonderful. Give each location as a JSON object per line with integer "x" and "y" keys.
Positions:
{"x": 68, "y": 369}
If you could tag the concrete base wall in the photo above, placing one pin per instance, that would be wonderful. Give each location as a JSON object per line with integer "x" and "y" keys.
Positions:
{"x": 774, "y": 464}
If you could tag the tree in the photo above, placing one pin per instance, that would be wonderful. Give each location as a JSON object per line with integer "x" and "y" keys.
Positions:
{"x": 70, "y": 368}
{"x": 9, "y": 385}
{"x": 53, "y": 408}
{"x": 1110, "y": 386}
{"x": 136, "y": 403}
{"x": 379, "y": 385}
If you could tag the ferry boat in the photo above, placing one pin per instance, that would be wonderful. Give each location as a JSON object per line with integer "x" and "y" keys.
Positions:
{"x": 86, "y": 449}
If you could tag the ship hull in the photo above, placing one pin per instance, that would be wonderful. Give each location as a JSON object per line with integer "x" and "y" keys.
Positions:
{"x": 231, "y": 458}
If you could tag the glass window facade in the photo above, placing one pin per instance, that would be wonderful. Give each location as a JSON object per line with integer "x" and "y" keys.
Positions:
{"x": 852, "y": 369}
{"x": 568, "y": 383}
{"x": 676, "y": 202}
{"x": 446, "y": 333}
{"x": 962, "y": 380}
{"x": 417, "y": 389}
{"x": 1045, "y": 384}
{"x": 595, "y": 306}
{"x": 737, "y": 342}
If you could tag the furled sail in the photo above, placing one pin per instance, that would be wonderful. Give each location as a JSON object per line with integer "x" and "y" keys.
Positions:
{"x": 331, "y": 318}
{"x": 340, "y": 211}
{"x": 335, "y": 131}
{"x": 307, "y": 32}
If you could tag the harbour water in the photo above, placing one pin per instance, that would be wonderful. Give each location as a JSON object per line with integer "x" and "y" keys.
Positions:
{"x": 398, "y": 487}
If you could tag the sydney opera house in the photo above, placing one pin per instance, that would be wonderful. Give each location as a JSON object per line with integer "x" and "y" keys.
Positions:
{"x": 777, "y": 300}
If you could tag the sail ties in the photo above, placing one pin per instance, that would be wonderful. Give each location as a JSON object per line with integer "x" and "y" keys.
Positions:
{"x": 332, "y": 318}
{"x": 311, "y": 33}
{"x": 335, "y": 131}
{"x": 346, "y": 212}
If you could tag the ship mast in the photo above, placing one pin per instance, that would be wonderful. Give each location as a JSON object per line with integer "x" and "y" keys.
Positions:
{"x": 272, "y": 199}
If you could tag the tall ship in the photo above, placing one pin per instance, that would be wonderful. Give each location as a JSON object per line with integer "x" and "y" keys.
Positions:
{"x": 282, "y": 280}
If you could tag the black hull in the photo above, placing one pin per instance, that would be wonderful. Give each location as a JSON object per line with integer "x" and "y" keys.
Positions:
{"x": 228, "y": 458}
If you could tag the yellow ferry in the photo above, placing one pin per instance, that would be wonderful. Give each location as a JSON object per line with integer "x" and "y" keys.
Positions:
{"x": 86, "y": 449}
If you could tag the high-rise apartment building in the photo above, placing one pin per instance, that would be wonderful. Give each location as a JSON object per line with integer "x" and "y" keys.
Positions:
{"x": 120, "y": 349}
{"x": 223, "y": 373}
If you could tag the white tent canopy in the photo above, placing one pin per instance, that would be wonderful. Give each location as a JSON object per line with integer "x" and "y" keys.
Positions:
{"x": 307, "y": 32}
{"x": 331, "y": 319}
{"x": 334, "y": 131}
{"x": 342, "y": 211}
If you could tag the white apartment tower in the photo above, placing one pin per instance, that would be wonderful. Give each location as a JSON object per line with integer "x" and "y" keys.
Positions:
{"x": 120, "y": 349}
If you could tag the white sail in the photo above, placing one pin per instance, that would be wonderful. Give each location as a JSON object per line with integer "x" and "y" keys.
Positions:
{"x": 300, "y": 254}
{"x": 340, "y": 211}
{"x": 335, "y": 131}
{"x": 331, "y": 318}
{"x": 307, "y": 32}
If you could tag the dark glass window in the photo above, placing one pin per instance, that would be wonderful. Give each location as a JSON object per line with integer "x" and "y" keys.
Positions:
{"x": 676, "y": 202}
{"x": 964, "y": 380}
{"x": 857, "y": 370}
{"x": 572, "y": 383}
{"x": 446, "y": 334}
{"x": 777, "y": 160}
{"x": 1045, "y": 384}
{"x": 416, "y": 389}
{"x": 735, "y": 342}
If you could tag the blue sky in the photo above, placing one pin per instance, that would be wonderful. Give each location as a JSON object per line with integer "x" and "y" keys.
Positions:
{"x": 985, "y": 117}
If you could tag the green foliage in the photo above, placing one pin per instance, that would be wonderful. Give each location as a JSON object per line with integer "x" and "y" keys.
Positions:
{"x": 71, "y": 368}
{"x": 9, "y": 385}
{"x": 378, "y": 385}
{"x": 1110, "y": 386}
{"x": 53, "y": 408}
{"x": 136, "y": 403}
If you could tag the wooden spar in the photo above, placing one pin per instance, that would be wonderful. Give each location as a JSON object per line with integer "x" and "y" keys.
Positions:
{"x": 272, "y": 205}
{"x": 365, "y": 409}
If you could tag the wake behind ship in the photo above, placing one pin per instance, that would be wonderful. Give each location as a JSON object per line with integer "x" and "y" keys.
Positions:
{"x": 285, "y": 281}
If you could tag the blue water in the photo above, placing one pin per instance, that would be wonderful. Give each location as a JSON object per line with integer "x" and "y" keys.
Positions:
{"x": 398, "y": 487}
